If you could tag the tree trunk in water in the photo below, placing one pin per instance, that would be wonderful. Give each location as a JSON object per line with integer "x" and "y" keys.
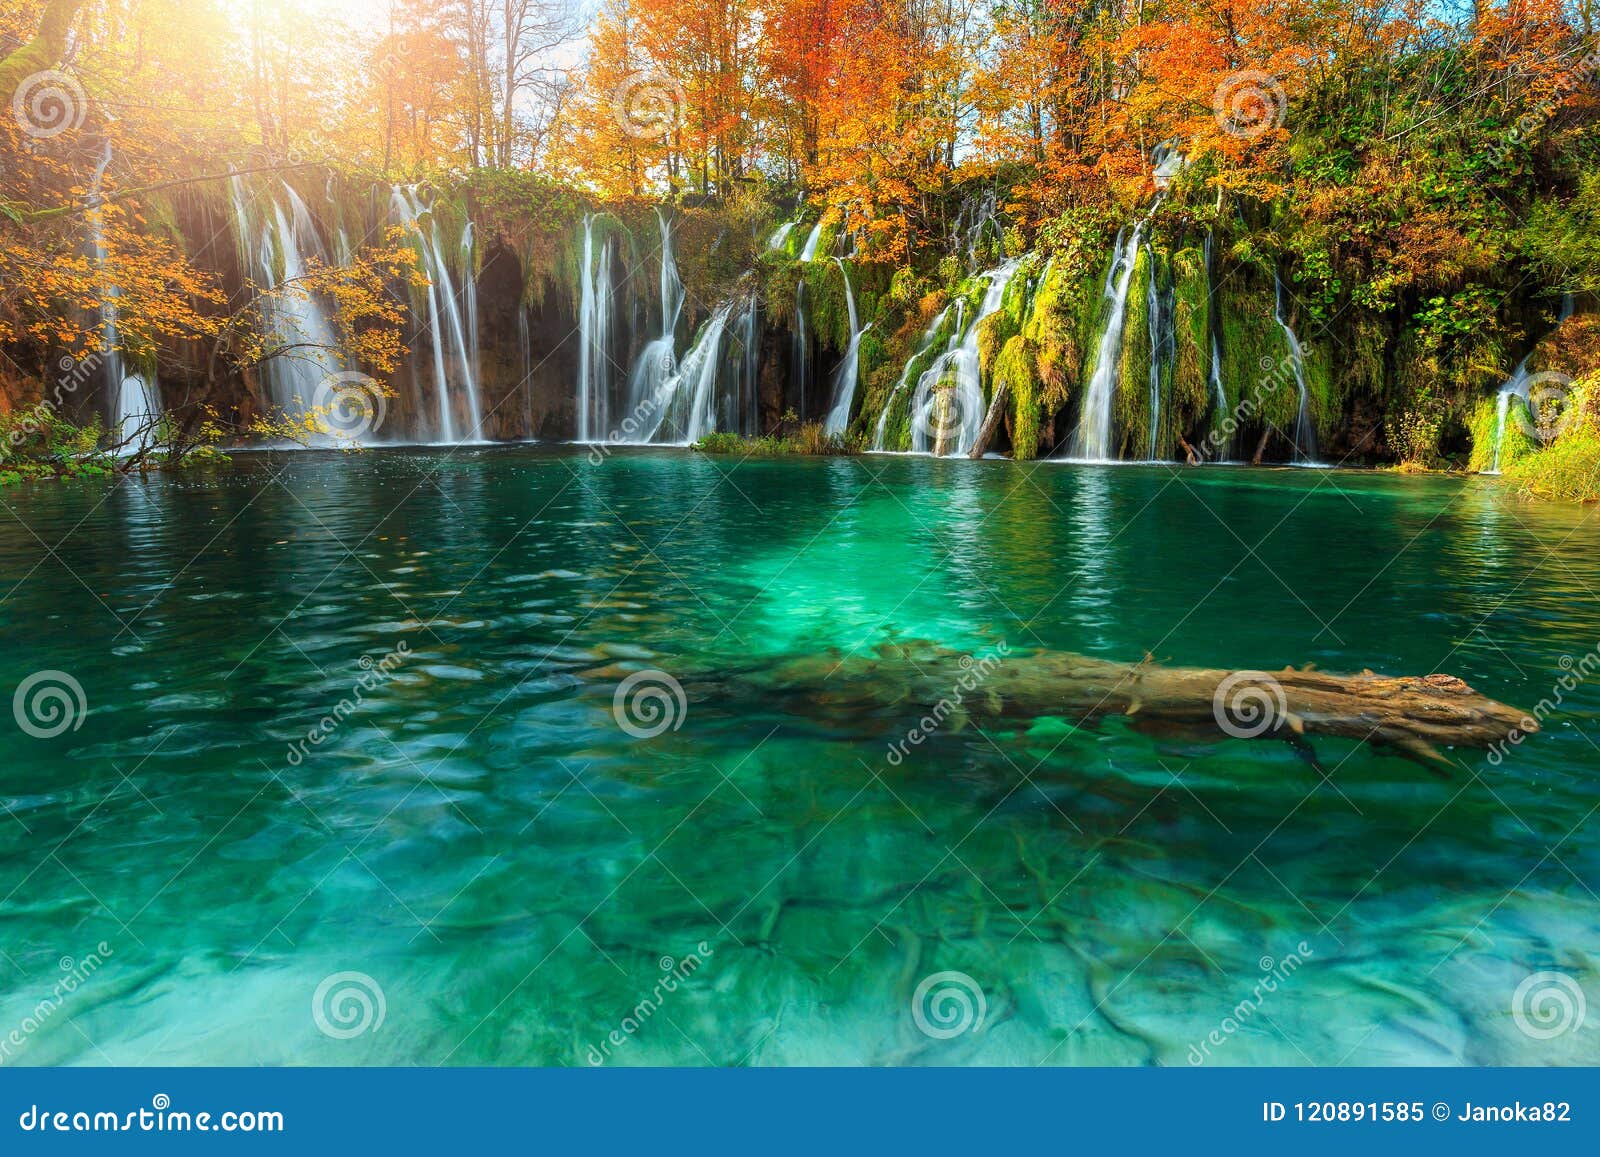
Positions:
{"x": 991, "y": 420}
{"x": 1412, "y": 714}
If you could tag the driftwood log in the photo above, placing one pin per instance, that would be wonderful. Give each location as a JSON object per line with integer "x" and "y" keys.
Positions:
{"x": 991, "y": 421}
{"x": 1415, "y": 715}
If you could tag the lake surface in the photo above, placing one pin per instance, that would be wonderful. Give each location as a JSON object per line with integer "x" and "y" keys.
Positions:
{"x": 475, "y": 836}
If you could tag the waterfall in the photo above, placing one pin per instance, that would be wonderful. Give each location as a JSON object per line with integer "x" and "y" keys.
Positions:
{"x": 469, "y": 280}
{"x": 844, "y": 381}
{"x": 926, "y": 344}
{"x": 452, "y": 317}
{"x": 968, "y": 235}
{"x": 808, "y": 252}
{"x": 750, "y": 368}
{"x": 1220, "y": 395}
{"x": 782, "y": 234}
{"x": 525, "y": 360}
{"x": 1158, "y": 347}
{"x": 1217, "y": 390}
{"x": 672, "y": 401}
{"x": 276, "y": 256}
{"x": 1515, "y": 387}
{"x": 689, "y": 395}
{"x": 800, "y": 339}
{"x": 1092, "y": 440}
{"x": 954, "y": 382}
{"x": 653, "y": 380}
{"x": 594, "y": 338}
{"x": 134, "y": 403}
{"x": 1305, "y": 432}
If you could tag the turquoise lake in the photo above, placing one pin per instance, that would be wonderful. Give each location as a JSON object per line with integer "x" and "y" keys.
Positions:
{"x": 477, "y": 838}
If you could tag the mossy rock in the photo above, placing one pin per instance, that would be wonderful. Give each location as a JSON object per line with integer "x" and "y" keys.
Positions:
{"x": 1484, "y": 426}
{"x": 1016, "y": 368}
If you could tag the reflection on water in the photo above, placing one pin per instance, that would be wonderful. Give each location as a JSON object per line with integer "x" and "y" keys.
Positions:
{"x": 472, "y": 832}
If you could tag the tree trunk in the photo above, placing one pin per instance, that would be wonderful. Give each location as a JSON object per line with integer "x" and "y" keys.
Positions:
{"x": 45, "y": 50}
{"x": 1261, "y": 447}
{"x": 1412, "y": 714}
{"x": 991, "y": 420}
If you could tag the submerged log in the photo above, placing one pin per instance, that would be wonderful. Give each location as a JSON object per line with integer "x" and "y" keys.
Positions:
{"x": 1414, "y": 714}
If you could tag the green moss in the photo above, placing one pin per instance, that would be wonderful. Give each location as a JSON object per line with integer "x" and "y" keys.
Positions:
{"x": 1190, "y": 398}
{"x": 897, "y": 389}
{"x": 1569, "y": 470}
{"x": 994, "y": 332}
{"x": 1061, "y": 326}
{"x": 1484, "y": 427}
{"x": 1255, "y": 355}
{"x": 1016, "y": 368}
{"x": 1130, "y": 405}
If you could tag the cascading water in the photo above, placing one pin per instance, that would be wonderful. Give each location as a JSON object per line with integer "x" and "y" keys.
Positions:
{"x": 594, "y": 339}
{"x": 781, "y": 234}
{"x": 276, "y": 255}
{"x": 133, "y": 403}
{"x": 1515, "y": 388}
{"x": 452, "y": 318}
{"x": 691, "y": 411}
{"x": 750, "y": 367}
{"x": 801, "y": 339}
{"x": 1219, "y": 395}
{"x": 525, "y": 361}
{"x": 1092, "y": 440}
{"x": 947, "y": 409}
{"x": 1305, "y": 431}
{"x": 844, "y": 381}
{"x": 1162, "y": 341}
{"x": 928, "y": 339}
{"x": 808, "y": 251}
{"x": 654, "y": 376}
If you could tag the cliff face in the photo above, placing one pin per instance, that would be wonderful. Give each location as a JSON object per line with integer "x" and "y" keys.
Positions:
{"x": 520, "y": 293}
